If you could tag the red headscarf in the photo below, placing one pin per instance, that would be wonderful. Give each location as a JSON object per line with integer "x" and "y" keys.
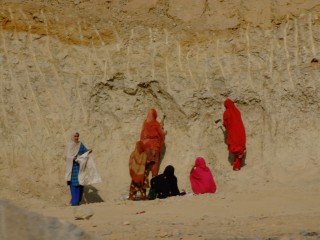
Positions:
{"x": 201, "y": 178}
{"x": 152, "y": 134}
{"x": 232, "y": 121}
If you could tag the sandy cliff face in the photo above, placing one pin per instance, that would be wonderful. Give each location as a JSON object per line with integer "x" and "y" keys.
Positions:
{"x": 98, "y": 66}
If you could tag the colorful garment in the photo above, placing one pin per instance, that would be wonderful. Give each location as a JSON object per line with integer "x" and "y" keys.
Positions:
{"x": 238, "y": 153}
{"x": 152, "y": 136}
{"x": 166, "y": 184}
{"x": 72, "y": 169}
{"x": 76, "y": 194}
{"x": 76, "y": 167}
{"x": 153, "y": 161}
{"x": 139, "y": 187}
{"x": 138, "y": 172}
{"x": 236, "y": 134}
{"x": 201, "y": 178}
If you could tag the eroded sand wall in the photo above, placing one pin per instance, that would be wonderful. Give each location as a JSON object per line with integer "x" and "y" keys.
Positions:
{"x": 60, "y": 72}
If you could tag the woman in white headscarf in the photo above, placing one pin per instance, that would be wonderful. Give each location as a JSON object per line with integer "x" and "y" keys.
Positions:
{"x": 75, "y": 148}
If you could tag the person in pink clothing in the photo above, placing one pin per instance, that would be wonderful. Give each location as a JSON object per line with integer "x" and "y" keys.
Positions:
{"x": 201, "y": 178}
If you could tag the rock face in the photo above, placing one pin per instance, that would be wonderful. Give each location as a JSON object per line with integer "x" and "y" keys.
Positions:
{"x": 16, "y": 223}
{"x": 98, "y": 66}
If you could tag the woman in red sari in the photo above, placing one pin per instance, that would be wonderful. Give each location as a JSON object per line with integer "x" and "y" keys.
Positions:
{"x": 152, "y": 136}
{"x": 236, "y": 134}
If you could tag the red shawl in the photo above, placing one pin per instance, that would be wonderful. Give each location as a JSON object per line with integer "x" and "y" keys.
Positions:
{"x": 152, "y": 134}
{"x": 232, "y": 121}
{"x": 201, "y": 178}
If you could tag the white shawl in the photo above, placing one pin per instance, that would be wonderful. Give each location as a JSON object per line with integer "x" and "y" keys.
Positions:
{"x": 72, "y": 151}
{"x": 88, "y": 173}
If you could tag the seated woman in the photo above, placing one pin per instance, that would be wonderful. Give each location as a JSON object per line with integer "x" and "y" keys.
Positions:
{"x": 164, "y": 185}
{"x": 201, "y": 178}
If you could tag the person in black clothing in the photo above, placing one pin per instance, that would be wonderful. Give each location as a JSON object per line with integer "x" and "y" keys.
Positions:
{"x": 164, "y": 185}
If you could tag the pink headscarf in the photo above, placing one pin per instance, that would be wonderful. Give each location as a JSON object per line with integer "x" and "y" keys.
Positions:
{"x": 201, "y": 178}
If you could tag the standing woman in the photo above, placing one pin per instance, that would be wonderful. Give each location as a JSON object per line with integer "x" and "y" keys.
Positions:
{"x": 75, "y": 148}
{"x": 152, "y": 136}
{"x": 137, "y": 170}
{"x": 236, "y": 134}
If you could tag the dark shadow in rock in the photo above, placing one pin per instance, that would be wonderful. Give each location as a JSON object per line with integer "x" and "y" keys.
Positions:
{"x": 231, "y": 158}
{"x": 162, "y": 153}
{"x": 224, "y": 134}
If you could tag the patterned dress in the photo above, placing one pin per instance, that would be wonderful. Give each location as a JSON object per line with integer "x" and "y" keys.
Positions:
{"x": 76, "y": 167}
{"x": 75, "y": 188}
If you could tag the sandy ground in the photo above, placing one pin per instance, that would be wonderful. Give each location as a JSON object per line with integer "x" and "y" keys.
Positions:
{"x": 260, "y": 213}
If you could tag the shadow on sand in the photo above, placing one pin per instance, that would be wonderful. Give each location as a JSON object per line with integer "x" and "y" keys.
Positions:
{"x": 90, "y": 195}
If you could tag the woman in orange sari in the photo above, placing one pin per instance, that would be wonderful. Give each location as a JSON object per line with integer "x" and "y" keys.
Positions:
{"x": 152, "y": 136}
{"x": 236, "y": 134}
{"x": 137, "y": 170}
